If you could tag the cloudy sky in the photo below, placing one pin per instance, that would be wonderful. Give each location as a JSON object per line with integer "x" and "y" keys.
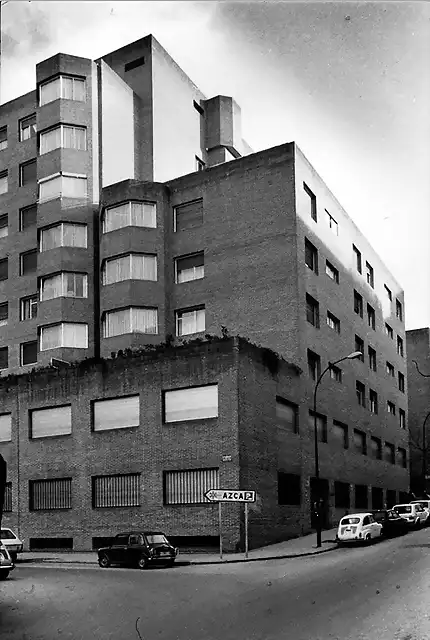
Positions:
{"x": 348, "y": 82}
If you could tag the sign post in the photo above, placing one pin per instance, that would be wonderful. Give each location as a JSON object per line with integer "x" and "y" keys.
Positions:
{"x": 220, "y": 529}
{"x": 246, "y": 530}
{"x": 224, "y": 495}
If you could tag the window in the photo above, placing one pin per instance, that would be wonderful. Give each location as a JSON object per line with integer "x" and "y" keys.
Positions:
{"x": 401, "y": 382}
{"x": 332, "y": 272}
{"x": 189, "y": 486}
{"x": 27, "y": 128}
{"x": 358, "y": 304}
{"x": 28, "y": 353}
{"x": 27, "y": 217}
{"x": 188, "y": 215}
{"x": 64, "y": 285}
{"x": 400, "y": 350}
{"x": 359, "y": 346}
{"x": 339, "y": 435}
{"x": 50, "y": 494}
{"x": 371, "y": 317}
{"x": 4, "y": 313}
{"x": 373, "y": 401}
{"x": 190, "y": 321}
{"x": 389, "y": 453}
{"x": 399, "y": 310}
{"x": 391, "y": 408}
{"x": 6, "y": 427}
{"x": 190, "y": 267}
{"x": 361, "y": 496}
{"x": 27, "y": 173}
{"x": 62, "y": 185}
{"x": 3, "y": 182}
{"x": 3, "y": 269}
{"x": 4, "y": 226}
{"x": 122, "y": 490}
{"x": 377, "y": 498}
{"x": 360, "y": 442}
{"x": 333, "y": 322}
{"x": 389, "y": 331}
{"x": 312, "y": 202}
{"x": 402, "y": 419}
{"x": 64, "y": 234}
{"x": 389, "y": 369}
{"x": 63, "y": 137}
{"x": 133, "y": 266}
{"x": 321, "y": 425}
{"x": 129, "y": 66}
{"x": 311, "y": 256}
{"x": 286, "y": 415}
{"x": 7, "y": 506}
{"x": 119, "y": 413}
{"x": 332, "y": 224}
{"x": 66, "y": 87}
{"x": 314, "y": 365}
{"x": 375, "y": 448}
{"x": 341, "y": 495}
{"x": 3, "y": 138}
{"x": 335, "y": 373}
{"x": 360, "y": 390}
{"x": 289, "y": 489}
{"x": 199, "y": 164}
{"x": 312, "y": 311}
{"x": 357, "y": 255}
{"x": 28, "y": 262}
{"x": 194, "y": 403}
{"x": 372, "y": 358}
{"x": 369, "y": 275}
{"x": 4, "y": 358}
{"x": 130, "y": 320}
{"x": 401, "y": 457}
{"x": 29, "y": 308}
{"x": 64, "y": 334}
{"x": 388, "y": 293}
{"x": 130, "y": 214}
{"x": 56, "y": 421}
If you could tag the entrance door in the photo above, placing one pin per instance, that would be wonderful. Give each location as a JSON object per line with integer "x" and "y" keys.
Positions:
{"x": 320, "y": 493}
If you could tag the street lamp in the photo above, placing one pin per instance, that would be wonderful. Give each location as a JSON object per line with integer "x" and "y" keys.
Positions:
{"x": 351, "y": 356}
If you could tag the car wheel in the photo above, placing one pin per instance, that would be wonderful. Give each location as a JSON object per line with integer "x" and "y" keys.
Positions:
{"x": 13, "y": 556}
{"x": 104, "y": 561}
{"x": 4, "y": 575}
{"x": 142, "y": 563}
{"x": 368, "y": 539}
{"x": 417, "y": 523}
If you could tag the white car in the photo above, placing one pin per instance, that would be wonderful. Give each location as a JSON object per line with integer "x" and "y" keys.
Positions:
{"x": 358, "y": 527}
{"x": 11, "y": 541}
{"x": 6, "y": 563}
{"x": 414, "y": 514}
{"x": 425, "y": 505}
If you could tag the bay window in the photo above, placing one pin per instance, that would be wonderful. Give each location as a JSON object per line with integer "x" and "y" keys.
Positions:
{"x": 130, "y": 320}
{"x": 64, "y": 285}
{"x": 130, "y": 214}
{"x": 133, "y": 266}
{"x": 64, "y": 234}
{"x": 64, "y": 334}
{"x": 65, "y": 137}
{"x": 62, "y": 185}
{"x": 67, "y": 87}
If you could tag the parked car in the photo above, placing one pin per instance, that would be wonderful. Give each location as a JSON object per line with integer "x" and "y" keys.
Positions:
{"x": 425, "y": 505}
{"x": 11, "y": 541}
{"x": 6, "y": 563}
{"x": 138, "y": 548}
{"x": 392, "y": 523}
{"x": 358, "y": 527}
{"x": 414, "y": 514}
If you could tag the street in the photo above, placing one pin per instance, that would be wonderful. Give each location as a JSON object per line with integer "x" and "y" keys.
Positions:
{"x": 378, "y": 592}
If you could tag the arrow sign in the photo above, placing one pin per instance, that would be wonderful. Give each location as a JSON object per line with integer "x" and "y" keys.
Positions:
{"x": 224, "y": 495}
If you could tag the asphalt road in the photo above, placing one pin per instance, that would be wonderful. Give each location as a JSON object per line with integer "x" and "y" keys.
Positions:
{"x": 381, "y": 592}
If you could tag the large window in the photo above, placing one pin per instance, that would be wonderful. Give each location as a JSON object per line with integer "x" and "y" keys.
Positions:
{"x": 67, "y": 87}
{"x": 64, "y": 234}
{"x": 189, "y": 486}
{"x": 27, "y": 173}
{"x": 195, "y": 403}
{"x": 118, "y": 413}
{"x": 64, "y": 285}
{"x": 289, "y": 489}
{"x": 50, "y": 494}
{"x": 55, "y": 421}
{"x": 130, "y": 320}
{"x": 133, "y": 266}
{"x": 28, "y": 310}
{"x": 62, "y": 185}
{"x": 27, "y": 128}
{"x": 190, "y": 267}
{"x": 64, "y": 334}
{"x": 130, "y": 214}
{"x": 188, "y": 215}
{"x": 286, "y": 415}
{"x": 190, "y": 321}
{"x": 122, "y": 490}
{"x": 3, "y": 182}
{"x": 321, "y": 425}
{"x": 64, "y": 137}
{"x": 5, "y": 427}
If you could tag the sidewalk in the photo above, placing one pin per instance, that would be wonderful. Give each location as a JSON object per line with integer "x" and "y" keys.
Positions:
{"x": 295, "y": 548}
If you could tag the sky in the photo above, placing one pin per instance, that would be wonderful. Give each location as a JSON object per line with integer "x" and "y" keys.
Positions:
{"x": 348, "y": 82}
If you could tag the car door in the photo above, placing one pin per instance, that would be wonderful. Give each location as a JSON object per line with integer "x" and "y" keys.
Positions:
{"x": 135, "y": 547}
{"x": 118, "y": 550}
{"x": 374, "y": 527}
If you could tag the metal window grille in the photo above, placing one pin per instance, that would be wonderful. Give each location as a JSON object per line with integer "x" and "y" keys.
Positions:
{"x": 51, "y": 494}
{"x": 189, "y": 487}
{"x": 116, "y": 491}
{"x": 7, "y": 506}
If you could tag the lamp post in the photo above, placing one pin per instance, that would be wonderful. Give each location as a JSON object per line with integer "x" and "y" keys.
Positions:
{"x": 351, "y": 356}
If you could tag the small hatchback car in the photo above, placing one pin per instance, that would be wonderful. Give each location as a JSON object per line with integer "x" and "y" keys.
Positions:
{"x": 6, "y": 562}
{"x": 414, "y": 514}
{"x": 358, "y": 527}
{"x": 11, "y": 541}
{"x": 139, "y": 549}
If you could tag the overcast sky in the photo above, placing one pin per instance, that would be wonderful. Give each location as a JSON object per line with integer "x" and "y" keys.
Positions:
{"x": 348, "y": 82}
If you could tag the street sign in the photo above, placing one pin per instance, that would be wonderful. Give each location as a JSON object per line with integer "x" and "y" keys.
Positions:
{"x": 222, "y": 495}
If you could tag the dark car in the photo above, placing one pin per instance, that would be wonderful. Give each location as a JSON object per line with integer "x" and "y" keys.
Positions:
{"x": 392, "y": 523}
{"x": 138, "y": 549}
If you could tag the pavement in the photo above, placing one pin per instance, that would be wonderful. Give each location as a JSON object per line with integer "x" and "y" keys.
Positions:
{"x": 293, "y": 548}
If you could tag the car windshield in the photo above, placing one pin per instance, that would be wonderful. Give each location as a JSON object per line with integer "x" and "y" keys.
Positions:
{"x": 156, "y": 538}
{"x": 350, "y": 521}
{"x": 7, "y": 534}
{"x": 404, "y": 509}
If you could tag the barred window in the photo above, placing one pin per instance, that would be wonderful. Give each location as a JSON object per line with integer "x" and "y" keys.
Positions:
{"x": 56, "y": 421}
{"x": 122, "y": 490}
{"x": 7, "y": 506}
{"x": 50, "y": 494}
{"x": 189, "y": 486}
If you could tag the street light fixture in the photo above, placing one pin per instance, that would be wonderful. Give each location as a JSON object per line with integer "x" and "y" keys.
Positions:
{"x": 351, "y": 356}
